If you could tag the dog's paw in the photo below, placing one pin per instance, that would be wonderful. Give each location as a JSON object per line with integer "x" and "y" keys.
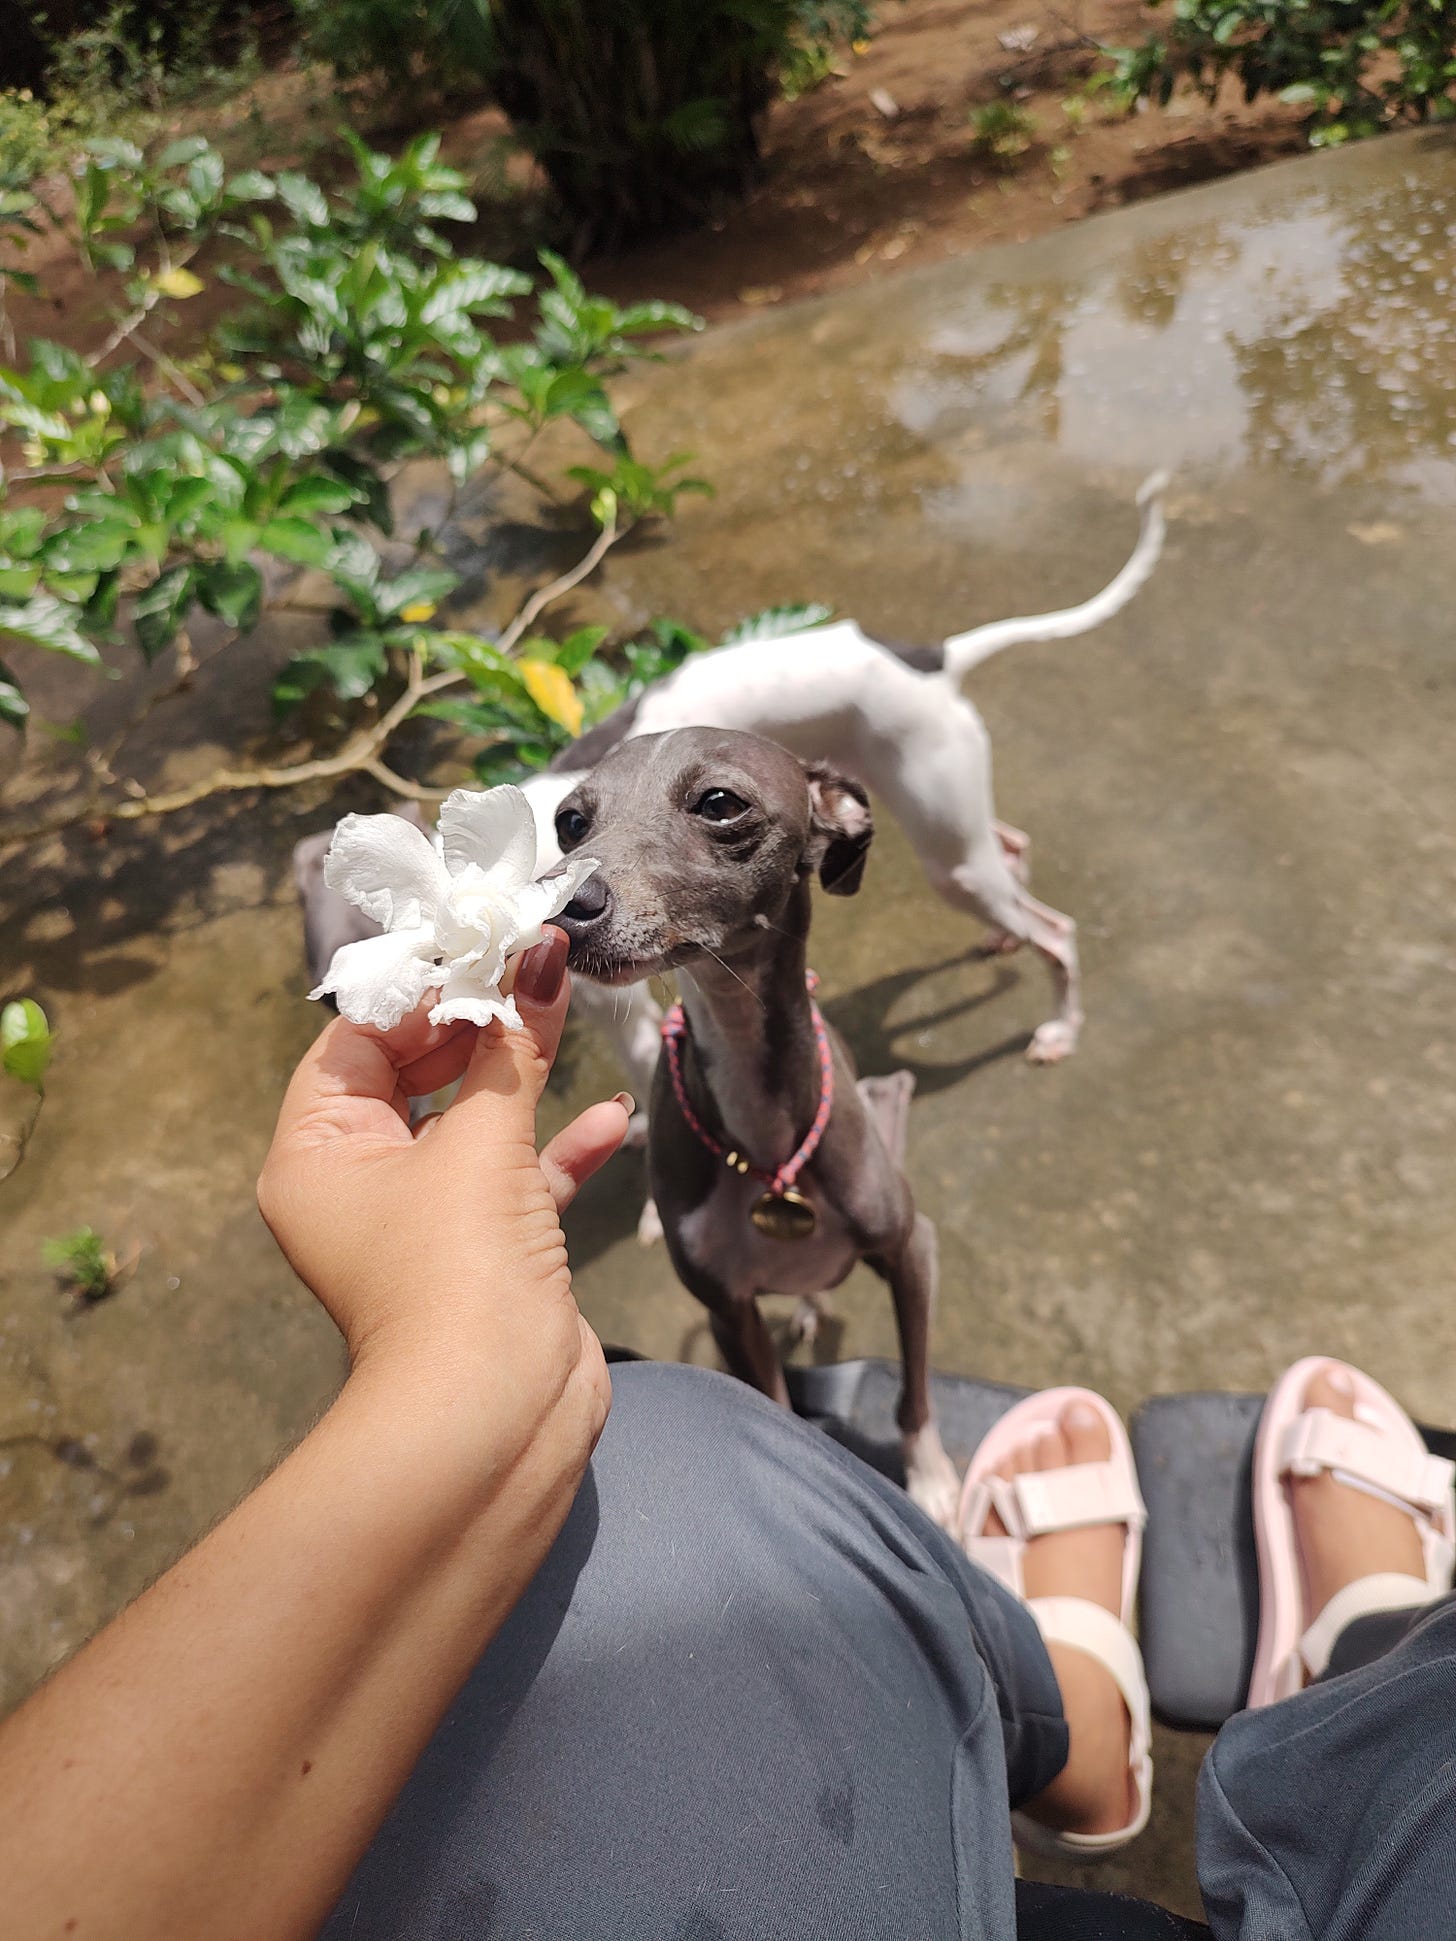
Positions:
{"x": 805, "y": 1319}
{"x": 649, "y": 1226}
{"x": 1052, "y": 1042}
{"x": 931, "y": 1481}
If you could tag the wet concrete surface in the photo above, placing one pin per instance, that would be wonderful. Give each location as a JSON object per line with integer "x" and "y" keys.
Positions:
{"x": 1243, "y": 789}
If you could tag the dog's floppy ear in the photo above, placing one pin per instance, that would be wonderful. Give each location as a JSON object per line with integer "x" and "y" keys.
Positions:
{"x": 840, "y": 829}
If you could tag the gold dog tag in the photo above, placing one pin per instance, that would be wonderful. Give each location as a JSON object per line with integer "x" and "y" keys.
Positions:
{"x": 783, "y": 1216}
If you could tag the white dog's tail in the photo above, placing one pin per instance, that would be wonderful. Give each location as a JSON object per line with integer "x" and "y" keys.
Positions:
{"x": 965, "y": 651}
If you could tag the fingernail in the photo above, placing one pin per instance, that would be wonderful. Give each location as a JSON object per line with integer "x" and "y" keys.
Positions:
{"x": 626, "y": 1101}
{"x": 1339, "y": 1380}
{"x": 542, "y": 969}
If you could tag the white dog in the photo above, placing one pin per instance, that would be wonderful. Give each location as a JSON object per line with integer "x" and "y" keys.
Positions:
{"x": 896, "y": 720}
{"x": 892, "y": 717}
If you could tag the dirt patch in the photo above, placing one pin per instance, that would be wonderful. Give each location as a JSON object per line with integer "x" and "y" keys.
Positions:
{"x": 879, "y": 168}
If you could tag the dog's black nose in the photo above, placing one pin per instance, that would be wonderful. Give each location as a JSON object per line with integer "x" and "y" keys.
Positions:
{"x": 591, "y": 902}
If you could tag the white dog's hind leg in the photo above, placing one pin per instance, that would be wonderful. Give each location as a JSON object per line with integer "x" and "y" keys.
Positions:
{"x": 988, "y": 890}
{"x": 1016, "y": 848}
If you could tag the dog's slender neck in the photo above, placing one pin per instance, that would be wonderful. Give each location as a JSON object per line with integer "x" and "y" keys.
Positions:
{"x": 752, "y": 1068}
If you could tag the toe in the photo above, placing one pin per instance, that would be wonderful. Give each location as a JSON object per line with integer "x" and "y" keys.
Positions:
{"x": 1085, "y": 1433}
{"x": 1049, "y": 1451}
{"x": 1331, "y": 1388}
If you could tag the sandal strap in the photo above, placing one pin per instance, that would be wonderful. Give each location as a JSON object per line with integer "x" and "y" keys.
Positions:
{"x": 1085, "y": 1626}
{"x": 1386, "y": 1590}
{"x": 1000, "y": 1557}
{"x": 1369, "y": 1457}
{"x": 1040, "y": 1502}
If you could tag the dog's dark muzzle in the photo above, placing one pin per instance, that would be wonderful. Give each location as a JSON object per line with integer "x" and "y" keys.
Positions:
{"x": 586, "y": 918}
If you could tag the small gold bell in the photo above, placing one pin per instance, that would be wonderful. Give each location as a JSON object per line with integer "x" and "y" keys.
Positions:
{"x": 783, "y": 1216}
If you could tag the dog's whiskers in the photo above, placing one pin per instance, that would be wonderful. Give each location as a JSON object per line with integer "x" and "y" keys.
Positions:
{"x": 755, "y": 995}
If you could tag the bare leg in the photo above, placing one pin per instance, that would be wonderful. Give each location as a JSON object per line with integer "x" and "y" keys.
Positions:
{"x": 1092, "y": 1792}
{"x": 912, "y": 1272}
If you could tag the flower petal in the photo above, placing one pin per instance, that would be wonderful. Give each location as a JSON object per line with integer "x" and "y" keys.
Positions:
{"x": 380, "y": 980}
{"x": 495, "y": 830}
{"x": 538, "y": 902}
{"x": 467, "y": 993}
{"x": 387, "y": 867}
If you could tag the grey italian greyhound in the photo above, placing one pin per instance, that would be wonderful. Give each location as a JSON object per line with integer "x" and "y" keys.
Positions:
{"x": 707, "y": 842}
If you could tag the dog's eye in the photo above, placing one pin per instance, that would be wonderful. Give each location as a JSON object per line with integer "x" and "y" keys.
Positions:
{"x": 720, "y": 805}
{"x": 571, "y": 828}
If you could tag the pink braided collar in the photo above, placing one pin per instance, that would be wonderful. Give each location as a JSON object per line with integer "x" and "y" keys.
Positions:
{"x": 675, "y": 1029}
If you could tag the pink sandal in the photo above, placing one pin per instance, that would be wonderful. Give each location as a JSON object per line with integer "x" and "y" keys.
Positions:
{"x": 1380, "y": 1451}
{"x": 1039, "y": 1503}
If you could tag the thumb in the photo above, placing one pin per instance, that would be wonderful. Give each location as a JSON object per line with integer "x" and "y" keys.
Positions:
{"x": 509, "y": 1068}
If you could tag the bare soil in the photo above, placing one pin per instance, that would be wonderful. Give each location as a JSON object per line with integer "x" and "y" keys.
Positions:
{"x": 878, "y": 169}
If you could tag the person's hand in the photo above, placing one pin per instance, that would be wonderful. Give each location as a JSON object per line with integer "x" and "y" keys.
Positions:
{"x": 438, "y": 1251}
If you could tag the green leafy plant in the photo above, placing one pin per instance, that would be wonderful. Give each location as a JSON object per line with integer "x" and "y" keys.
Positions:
{"x": 26, "y": 1044}
{"x": 83, "y": 1263}
{"x": 524, "y": 711}
{"x": 1004, "y": 131}
{"x": 361, "y": 339}
{"x": 1357, "y": 65}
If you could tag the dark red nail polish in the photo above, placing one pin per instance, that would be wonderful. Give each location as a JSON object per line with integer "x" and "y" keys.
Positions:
{"x": 542, "y": 969}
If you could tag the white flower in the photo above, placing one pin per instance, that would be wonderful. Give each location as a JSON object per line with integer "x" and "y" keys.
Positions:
{"x": 453, "y": 911}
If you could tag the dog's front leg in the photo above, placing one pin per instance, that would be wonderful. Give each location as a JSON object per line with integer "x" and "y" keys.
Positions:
{"x": 746, "y": 1345}
{"x": 912, "y": 1271}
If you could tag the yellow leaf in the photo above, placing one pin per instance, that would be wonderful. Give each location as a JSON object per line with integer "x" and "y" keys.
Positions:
{"x": 550, "y": 688}
{"x": 416, "y": 612}
{"x": 178, "y": 283}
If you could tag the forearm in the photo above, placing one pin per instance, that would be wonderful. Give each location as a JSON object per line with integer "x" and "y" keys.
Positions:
{"x": 231, "y": 1743}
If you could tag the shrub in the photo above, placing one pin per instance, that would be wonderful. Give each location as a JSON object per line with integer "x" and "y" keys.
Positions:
{"x": 362, "y": 340}
{"x": 1004, "y": 131}
{"x": 641, "y": 113}
{"x": 83, "y": 1263}
{"x": 1357, "y": 65}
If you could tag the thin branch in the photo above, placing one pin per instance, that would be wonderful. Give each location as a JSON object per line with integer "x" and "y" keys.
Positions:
{"x": 129, "y": 325}
{"x": 539, "y": 601}
{"x": 362, "y": 753}
{"x": 399, "y": 785}
{"x": 170, "y": 368}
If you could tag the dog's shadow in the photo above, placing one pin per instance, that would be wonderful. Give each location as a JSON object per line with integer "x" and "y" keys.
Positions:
{"x": 862, "y": 1018}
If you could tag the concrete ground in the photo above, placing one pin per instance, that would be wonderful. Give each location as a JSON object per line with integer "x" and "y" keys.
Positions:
{"x": 1243, "y": 789}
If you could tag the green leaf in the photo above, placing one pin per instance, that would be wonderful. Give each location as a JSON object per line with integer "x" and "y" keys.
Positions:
{"x": 160, "y": 608}
{"x": 297, "y": 539}
{"x": 350, "y": 667}
{"x": 233, "y": 590}
{"x": 45, "y": 621}
{"x": 116, "y": 149}
{"x": 773, "y": 622}
{"x": 21, "y": 531}
{"x": 186, "y": 149}
{"x": 18, "y": 582}
{"x": 316, "y": 495}
{"x": 14, "y": 707}
{"x": 578, "y": 648}
{"x": 305, "y": 199}
{"x": 26, "y": 1041}
{"x": 252, "y": 186}
{"x": 421, "y": 586}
